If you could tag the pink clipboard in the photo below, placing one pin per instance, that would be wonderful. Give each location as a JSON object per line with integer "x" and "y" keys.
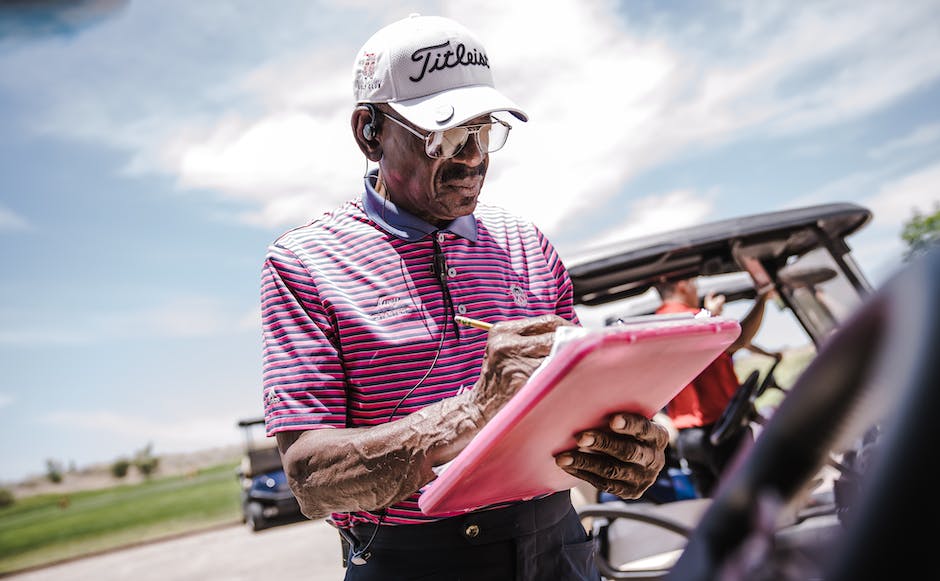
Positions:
{"x": 636, "y": 367}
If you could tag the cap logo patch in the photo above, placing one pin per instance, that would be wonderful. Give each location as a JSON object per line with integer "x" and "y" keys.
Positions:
{"x": 432, "y": 59}
{"x": 368, "y": 65}
{"x": 367, "y": 76}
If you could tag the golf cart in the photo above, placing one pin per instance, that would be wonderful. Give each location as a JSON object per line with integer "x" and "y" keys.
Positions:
{"x": 832, "y": 484}
{"x": 266, "y": 497}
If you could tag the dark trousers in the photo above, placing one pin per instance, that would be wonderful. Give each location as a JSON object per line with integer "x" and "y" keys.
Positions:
{"x": 529, "y": 541}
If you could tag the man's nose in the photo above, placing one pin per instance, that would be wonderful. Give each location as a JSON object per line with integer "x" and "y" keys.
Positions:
{"x": 471, "y": 153}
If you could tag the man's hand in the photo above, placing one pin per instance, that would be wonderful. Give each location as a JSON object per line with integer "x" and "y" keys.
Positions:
{"x": 623, "y": 459}
{"x": 713, "y": 303}
{"x": 514, "y": 350}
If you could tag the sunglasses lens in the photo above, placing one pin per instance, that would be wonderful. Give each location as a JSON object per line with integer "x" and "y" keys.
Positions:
{"x": 493, "y": 136}
{"x": 444, "y": 144}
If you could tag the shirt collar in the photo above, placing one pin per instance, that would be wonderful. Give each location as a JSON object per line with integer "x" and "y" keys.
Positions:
{"x": 401, "y": 224}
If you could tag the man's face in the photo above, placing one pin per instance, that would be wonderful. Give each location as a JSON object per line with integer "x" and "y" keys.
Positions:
{"x": 436, "y": 190}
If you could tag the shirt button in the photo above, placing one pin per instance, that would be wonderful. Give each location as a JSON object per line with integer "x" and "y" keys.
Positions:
{"x": 441, "y": 237}
{"x": 472, "y": 531}
{"x": 462, "y": 309}
{"x": 451, "y": 272}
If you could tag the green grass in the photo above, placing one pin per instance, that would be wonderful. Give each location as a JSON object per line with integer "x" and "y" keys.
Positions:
{"x": 786, "y": 373}
{"x": 42, "y": 529}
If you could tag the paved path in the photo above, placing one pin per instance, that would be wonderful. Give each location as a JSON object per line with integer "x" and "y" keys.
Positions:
{"x": 303, "y": 551}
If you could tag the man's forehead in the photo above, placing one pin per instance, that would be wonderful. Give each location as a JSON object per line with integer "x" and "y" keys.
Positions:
{"x": 485, "y": 118}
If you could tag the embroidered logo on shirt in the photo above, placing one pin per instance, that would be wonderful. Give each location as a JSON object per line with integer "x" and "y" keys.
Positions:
{"x": 390, "y": 306}
{"x": 271, "y": 399}
{"x": 518, "y": 295}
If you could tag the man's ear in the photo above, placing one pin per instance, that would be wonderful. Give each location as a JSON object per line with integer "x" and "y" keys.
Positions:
{"x": 365, "y": 127}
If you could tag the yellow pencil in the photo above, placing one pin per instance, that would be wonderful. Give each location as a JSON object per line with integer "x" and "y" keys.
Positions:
{"x": 473, "y": 322}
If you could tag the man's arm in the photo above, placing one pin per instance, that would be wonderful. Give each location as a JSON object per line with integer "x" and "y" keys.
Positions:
{"x": 351, "y": 469}
{"x": 751, "y": 323}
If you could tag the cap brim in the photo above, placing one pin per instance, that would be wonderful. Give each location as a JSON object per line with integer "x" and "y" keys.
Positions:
{"x": 451, "y": 108}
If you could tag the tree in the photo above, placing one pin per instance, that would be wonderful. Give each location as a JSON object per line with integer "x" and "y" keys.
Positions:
{"x": 119, "y": 467}
{"x": 145, "y": 461}
{"x": 921, "y": 232}
{"x": 54, "y": 471}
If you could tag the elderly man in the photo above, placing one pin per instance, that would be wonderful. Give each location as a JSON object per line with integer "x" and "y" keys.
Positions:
{"x": 368, "y": 381}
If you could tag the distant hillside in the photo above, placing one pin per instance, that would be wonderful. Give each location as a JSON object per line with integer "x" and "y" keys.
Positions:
{"x": 99, "y": 475}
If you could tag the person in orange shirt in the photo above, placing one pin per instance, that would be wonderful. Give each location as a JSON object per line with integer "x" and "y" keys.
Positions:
{"x": 700, "y": 404}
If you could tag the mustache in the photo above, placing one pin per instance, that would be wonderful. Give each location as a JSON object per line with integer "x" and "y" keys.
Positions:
{"x": 458, "y": 172}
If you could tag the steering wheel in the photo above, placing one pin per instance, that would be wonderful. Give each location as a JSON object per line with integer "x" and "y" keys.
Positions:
{"x": 608, "y": 513}
{"x": 737, "y": 412}
{"x": 740, "y": 409}
{"x": 880, "y": 368}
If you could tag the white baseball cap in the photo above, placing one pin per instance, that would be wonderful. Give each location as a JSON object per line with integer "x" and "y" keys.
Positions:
{"x": 431, "y": 70}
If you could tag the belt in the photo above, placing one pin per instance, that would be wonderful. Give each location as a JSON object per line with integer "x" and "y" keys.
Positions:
{"x": 475, "y": 528}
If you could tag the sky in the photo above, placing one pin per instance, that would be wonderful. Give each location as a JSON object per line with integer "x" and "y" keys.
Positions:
{"x": 150, "y": 151}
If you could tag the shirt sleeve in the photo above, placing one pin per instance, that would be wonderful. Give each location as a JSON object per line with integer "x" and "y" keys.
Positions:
{"x": 564, "y": 306}
{"x": 303, "y": 379}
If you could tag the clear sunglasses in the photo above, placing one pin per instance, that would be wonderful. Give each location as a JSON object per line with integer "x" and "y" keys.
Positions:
{"x": 448, "y": 143}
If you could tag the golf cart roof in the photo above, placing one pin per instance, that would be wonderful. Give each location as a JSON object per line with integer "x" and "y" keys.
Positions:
{"x": 629, "y": 268}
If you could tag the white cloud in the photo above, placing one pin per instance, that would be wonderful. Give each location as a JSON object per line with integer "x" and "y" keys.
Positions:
{"x": 12, "y": 222}
{"x": 592, "y": 96}
{"x": 895, "y": 201}
{"x": 191, "y": 316}
{"x": 659, "y": 213}
{"x": 922, "y": 137}
{"x": 181, "y": 317}
{"x": 608, "y": 104}
{"x": 607, "y": 101}
{"x": 289, "y": 163}
{"x": 250, "y": 321}
{"x": 168, "y": 434}
{"x": 28, "y": 335}
{"x": 891, "y": 195}
{"x": 836, "y": 61}
{"x": 852, "y": 187}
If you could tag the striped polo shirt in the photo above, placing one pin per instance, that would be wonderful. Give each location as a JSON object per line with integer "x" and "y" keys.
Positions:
{"x": 354, "y": 318}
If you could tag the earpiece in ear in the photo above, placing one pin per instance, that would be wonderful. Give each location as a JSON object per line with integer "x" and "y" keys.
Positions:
{"x": 368, "y": 130}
